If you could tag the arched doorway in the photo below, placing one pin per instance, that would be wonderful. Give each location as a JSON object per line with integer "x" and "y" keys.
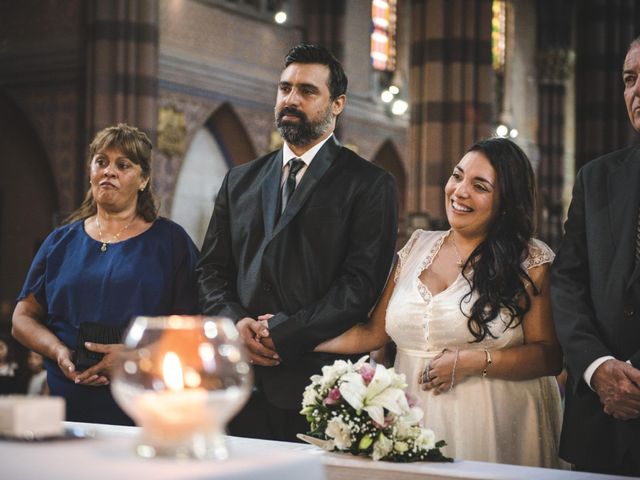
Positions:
{"x": 217, "y": 146}
{"x": 28, "y": 201}
{"x": 388, "y": 158}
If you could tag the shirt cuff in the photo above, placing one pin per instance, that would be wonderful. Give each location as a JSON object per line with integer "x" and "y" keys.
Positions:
{"x": 588, "y": 373}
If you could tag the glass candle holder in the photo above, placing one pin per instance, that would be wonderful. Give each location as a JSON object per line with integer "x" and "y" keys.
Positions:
{"x": 182, "y": 378}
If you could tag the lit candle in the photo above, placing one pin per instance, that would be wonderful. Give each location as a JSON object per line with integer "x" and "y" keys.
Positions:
{"x": 181, "y": 379}
{"x": 174, "y": 413}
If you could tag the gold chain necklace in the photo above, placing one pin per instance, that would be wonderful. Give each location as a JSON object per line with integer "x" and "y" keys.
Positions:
{"x": 459, "y": 261}
{"x": 103, "y": 248}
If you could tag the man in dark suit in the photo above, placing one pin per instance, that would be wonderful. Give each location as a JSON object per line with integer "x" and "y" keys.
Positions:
{"x": 595, "y": 288}
{"x": 303, "y": 237}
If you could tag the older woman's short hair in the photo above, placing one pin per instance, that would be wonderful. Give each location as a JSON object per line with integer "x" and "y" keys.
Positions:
{"x": 136, "y": 146}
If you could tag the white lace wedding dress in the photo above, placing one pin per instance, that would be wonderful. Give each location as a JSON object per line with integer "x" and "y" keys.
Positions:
{"x": 485, "y": 419}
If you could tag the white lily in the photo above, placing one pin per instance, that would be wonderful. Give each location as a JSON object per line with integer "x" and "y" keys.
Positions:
{"x": 361, "y": 361}
{"x": 376, "y": 396}
{"x": 353, "y": 390}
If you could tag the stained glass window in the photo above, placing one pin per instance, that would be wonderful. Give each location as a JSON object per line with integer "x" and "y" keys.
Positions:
{"x": 499, "y": 34}
{"x": 383, "y": 36}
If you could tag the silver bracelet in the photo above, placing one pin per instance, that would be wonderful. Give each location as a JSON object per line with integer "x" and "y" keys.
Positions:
{"x": 453, "y": 372}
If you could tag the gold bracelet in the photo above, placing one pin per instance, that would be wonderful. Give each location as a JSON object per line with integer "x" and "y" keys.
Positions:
{"x": 489, "y": 362}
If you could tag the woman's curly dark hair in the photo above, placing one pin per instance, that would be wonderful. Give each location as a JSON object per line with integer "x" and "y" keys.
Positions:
{"x": 498, "y": 276}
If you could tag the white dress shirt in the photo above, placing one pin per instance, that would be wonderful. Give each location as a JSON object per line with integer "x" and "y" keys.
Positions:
{"x": 306, "y": 157}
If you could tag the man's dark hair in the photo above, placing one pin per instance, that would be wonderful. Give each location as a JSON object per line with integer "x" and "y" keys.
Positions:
{"x": 306, "y": 53}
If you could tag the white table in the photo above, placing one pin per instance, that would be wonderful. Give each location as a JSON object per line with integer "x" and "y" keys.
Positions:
{"x": 109, "y": 456}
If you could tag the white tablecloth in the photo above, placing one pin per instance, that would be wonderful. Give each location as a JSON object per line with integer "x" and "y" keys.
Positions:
{"x": 109, "y": 456}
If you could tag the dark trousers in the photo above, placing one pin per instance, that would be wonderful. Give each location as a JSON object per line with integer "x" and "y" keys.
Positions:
{"x": 261, "y": 419}
{"x": 630, "y": 466}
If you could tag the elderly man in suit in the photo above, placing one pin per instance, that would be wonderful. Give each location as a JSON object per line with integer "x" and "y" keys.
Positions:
{"x": 596, "y": 304}
{"x": 303, "y": 237}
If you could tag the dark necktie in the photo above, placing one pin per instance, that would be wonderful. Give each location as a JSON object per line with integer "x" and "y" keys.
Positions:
{"x": 295, "y": 164}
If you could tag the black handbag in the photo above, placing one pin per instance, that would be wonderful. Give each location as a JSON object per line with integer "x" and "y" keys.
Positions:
{"x": 95, "y": 333}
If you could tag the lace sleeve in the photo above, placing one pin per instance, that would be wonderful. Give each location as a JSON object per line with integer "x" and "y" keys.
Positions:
{"x": 539, "y": 254}
{"x": 404, "y": 252}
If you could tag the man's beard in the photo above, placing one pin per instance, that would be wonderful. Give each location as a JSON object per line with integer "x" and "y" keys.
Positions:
{"x": 304, "y": 131}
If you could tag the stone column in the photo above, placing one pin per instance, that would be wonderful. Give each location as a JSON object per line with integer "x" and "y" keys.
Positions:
{"x": 451, "y": 85}
{"x": 122, "y": 64}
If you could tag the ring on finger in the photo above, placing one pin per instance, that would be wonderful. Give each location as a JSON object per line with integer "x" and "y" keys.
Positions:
{"x": 425, "y": 373}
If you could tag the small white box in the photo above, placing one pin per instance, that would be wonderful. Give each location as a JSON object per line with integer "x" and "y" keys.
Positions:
{"x": 29, "y": 417}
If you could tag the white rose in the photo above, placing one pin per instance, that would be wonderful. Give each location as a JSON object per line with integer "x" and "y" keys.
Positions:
{"x": 310, "y": 396}
{"x": 339, "y": 431}
{"x": 400, "y": 447}
{"x": 331, "y": 373}
{"x": 426, "y": 440}
{"x": 402, "y": 429}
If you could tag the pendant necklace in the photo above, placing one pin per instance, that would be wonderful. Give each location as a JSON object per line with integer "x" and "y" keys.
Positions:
{"x": 103, "y": 248}
{"x": 459, "y": 261}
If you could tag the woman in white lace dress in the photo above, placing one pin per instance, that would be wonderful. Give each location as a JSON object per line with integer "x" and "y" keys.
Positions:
{"x": 469, "y": 311}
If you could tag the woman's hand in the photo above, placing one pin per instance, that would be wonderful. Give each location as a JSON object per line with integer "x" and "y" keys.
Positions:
{"x": 441, "y": 373}
{"x": 451, "y": 367}
{"x": 100, "y": 373}
{"x": 29, "y": 329}
{"x": 63, "y": 358}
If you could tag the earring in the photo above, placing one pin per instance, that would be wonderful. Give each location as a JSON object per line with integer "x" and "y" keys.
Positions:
{"x": 142, "y": 188}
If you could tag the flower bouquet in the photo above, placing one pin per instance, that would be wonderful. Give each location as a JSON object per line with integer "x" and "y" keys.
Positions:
{"x": 364, "y": 410}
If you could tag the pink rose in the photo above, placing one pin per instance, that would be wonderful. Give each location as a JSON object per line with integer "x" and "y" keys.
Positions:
{"x": 333, "y": 397}
{"x": 367, "y": 372}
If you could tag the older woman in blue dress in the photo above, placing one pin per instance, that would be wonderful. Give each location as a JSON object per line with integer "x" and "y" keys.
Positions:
{"x": 114, "y": 260}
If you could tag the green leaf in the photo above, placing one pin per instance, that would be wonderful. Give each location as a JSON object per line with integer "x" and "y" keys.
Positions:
{"x": 365, "y": 442}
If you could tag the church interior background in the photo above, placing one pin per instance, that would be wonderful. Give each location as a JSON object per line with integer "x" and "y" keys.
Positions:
{"x": 426, "y": 79}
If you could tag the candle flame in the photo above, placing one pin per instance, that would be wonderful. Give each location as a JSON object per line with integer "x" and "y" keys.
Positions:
{"x": 172, "y": 371}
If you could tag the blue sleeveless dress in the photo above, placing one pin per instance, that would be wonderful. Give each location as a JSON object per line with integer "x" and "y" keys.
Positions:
{"x": 150, "y": 274}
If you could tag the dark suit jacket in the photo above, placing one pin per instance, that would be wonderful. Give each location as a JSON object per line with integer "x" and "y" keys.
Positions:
{"x": 595, "y": 288}
{"x": 319, "y": 269}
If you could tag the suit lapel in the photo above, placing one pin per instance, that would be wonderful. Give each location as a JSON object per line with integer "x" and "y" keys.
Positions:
{"x": 270, "y": 194}
{"x": 314, "y": 173}
{"x": 623, "y": 186}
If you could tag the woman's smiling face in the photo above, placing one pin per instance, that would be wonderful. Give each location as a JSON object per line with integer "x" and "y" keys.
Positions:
{"x": 471, "y": 195}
